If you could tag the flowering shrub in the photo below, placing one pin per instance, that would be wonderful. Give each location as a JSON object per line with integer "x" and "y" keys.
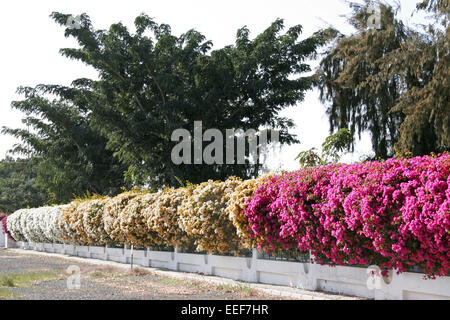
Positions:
{"x": 36, "y": 225}
{"x": 82, "y": 222}
{"x": 133, "y": 222}
{"x": 93, "y": 224}
{"x": 237, "y": 204}
{"x": 72, "y": 223}
{"x": 162, "y": 218}
{"x": 203, "y": 216}
{"x": 3, "y": 222}
{"x": 113, "y": 216}
{"x": 394, "y": 214}
{"x": 50, "y": 223}
{"x": 14, "y": 227}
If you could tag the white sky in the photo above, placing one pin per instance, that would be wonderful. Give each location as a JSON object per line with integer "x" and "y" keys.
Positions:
{"x": 31, "y": 41}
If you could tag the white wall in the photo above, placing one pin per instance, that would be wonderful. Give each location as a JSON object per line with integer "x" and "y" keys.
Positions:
{"x": 2, "y": 237}
{"x": 344, "y": 280}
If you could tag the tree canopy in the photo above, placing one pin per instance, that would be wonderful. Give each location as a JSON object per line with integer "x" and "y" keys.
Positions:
{"x": 69, "y": 157}
{"x": 333, "y": 149}
{"x": 392, "y": 82}
{"x": 19, "y": 187}
{"x": 426, "y": 103}
{"x": 101, "y": 135}
{"x": 152, "y": 82}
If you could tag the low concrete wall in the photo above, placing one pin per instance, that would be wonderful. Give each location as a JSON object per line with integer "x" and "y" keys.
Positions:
{"x": 345, "y": 280}
{"x": 5, "y": 241}
{"x": 2, "y": 238}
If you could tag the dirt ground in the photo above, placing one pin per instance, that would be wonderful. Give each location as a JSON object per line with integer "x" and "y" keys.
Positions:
{"x": 35, "y": 277}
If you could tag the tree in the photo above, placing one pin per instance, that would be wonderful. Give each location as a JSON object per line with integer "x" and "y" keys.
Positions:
{"x": 351, "y": 77}
{"x": 392, "y": 82}
{"x": 439, "y": 8}
{"x": 333, "y": 148}
{"x": 426, "y": 103}
{"x": 153, "y": 82}
{"x": 70, "y": 158}
{"x": 18, "y": 185}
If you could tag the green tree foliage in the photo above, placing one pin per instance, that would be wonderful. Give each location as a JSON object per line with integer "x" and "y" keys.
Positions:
{"x": 439, "y": 8}
{"x": 18, "y": 185}
{"x": 426, "y": 103}
{"x": 309, "y": 158}
{"x": 152, "y": 82}
{"x": 333, "y": 148}
{"x": 336, "y": 144}
{"x": 70, "y": 157}
{"x": 351, "y": 77}
{"x": 392, "y": 82}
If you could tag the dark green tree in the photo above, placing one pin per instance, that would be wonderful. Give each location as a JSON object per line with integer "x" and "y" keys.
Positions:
{"x": 333, "y": 148}
{"x": 426, "y": 103}
{"x": 70, "y": 157}
{"x": 152, "y": 82}
{"x": 18, "y": 185}
{"x": 352, "y": 79}
{"x": 392, "y": 82}
{"x": 439, "y": 9}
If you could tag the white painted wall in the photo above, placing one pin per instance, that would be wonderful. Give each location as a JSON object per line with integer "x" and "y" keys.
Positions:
{"x": 7, "y": 242}
{"x": 345, "y": 280}
{"x": 2, "y": 237}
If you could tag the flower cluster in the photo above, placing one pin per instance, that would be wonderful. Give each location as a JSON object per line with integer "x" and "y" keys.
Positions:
{"x": 133, "y": 227}
{"x": 71, "y": 222}
{"x": 395, "y": 214}
{"x": 82, "y": 222}
{"x": 203, "y": 216}
{"x": 93, "y": 221}
{"x": 36, "y": 225}
{"x": 115, "y": 217}
{"x": 162, "y": 218}
{"x": 13, "y": 225}
{"x": 3, "y": 222}
{"x": 237, "y": 205}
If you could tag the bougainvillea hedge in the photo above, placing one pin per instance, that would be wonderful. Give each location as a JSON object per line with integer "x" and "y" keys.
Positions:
{"x": 395, "y": 214}
{"x": 3, "y": 219}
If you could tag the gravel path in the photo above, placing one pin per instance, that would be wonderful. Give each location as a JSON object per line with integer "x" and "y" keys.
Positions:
{"x": 106, "y": 282}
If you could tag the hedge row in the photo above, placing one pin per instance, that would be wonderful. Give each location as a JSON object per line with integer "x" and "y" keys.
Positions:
{"x": 394, "y": 214}
{"x": 3, "y": 219}
{"x": 36, "y": 225}
{"x": 194, "y": 218}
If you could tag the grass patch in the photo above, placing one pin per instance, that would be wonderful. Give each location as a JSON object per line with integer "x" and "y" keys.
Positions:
{"x": 6, "y": 294}
{"x": 174, "y": 282}
{"x": 139, "y": 272}
{"x": 187, "y": 283}
{"x": 26, "y": 279}
{"x": 99, "y": 275}
{"x": 241, "y": 289}
{"x": 102, "y": 273}
{"x": 7, "y": 281}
